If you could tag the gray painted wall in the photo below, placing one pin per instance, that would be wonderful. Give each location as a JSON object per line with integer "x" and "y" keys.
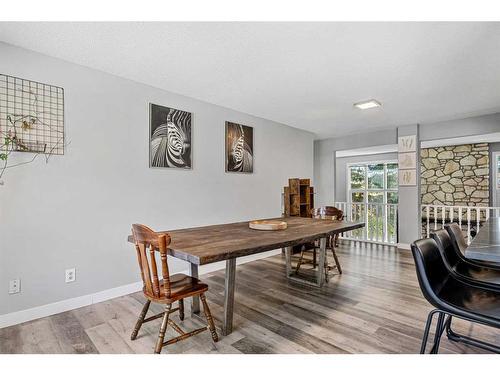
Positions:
{"x": 324, "y": 159}
{"x": 460, "y": 128}
{"x": 77, "y": 210}
{"x": 324, "y": 150}
{"x": 341, "y": 171}
{"x": 494, "y": 147}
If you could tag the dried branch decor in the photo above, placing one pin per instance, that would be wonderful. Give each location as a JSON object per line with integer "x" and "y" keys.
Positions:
{"x": 31, "y": 120}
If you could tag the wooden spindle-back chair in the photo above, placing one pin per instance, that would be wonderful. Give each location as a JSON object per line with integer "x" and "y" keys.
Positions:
{"x": 329, "y": 213}
{"x": 167, "y": 289}
{"x": 326, "y": 213}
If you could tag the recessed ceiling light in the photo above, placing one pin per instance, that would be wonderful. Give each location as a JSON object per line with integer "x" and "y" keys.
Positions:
{"x": 372, "y": 103}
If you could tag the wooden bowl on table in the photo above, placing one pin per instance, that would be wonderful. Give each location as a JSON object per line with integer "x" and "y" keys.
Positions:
{"x": 267, "y": 225}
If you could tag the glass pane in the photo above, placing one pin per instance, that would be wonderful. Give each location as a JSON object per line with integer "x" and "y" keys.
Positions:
{"x": 392, "y": 176}
{"x": 392, "y": 197}
{"x": 358, "y": 197}
{"x": 375, "y": 176}
{"x": 375, "y": 224}
{"x": 375, "y": 197}
{"x": 358, "y": 177}
{"x": 391, "y": 224}
{"x": 357, "y": 211}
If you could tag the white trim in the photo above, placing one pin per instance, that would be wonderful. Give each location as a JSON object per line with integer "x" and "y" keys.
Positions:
{"x": 441, "y": 212}
{"x": 373, "y": 150}
{"x": 403, "y": 246}
{"x": 471, "y": 139}
{"x": 22, "y": 316}
{"x": 65, "y": 305}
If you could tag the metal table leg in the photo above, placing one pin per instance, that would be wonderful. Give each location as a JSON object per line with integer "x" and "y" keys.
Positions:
{"x": 322, "y": 259}
{"x": 195, "y": 304}
{"x": 288, "y": 258}
{"x": 320, "y": 273}
{"x": 227, "y": 324}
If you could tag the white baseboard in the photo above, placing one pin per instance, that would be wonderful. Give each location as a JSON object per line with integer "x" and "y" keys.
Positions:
{"x": 404, "y": 246}
{"x": 68, "y": 304}
{"x": 22, "y": 316}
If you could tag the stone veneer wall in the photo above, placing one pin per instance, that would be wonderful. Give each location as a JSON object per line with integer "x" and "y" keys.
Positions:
{"x": 455, "y": 175}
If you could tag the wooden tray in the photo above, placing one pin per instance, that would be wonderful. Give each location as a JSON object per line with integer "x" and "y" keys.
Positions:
{"x": 267, "y": 225}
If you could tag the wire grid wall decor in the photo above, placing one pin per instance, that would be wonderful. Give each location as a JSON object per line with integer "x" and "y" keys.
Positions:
{"x": 31, "y": 116}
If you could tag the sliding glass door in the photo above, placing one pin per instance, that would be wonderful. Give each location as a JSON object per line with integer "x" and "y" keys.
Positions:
{"x": 373, "y": 196}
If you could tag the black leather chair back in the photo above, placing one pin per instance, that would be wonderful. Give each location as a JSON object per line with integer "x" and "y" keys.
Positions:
{"x": 457, "y": 237}
{"x": 443, "y": 240}
{"x": 431, "y": 270}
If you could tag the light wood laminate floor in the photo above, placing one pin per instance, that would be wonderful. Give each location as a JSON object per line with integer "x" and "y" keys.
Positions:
{"x": 375, "y": 306}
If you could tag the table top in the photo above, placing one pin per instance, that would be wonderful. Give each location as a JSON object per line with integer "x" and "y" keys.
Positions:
{"x": 486, "y": 244}
{"x": 203, "y": 245}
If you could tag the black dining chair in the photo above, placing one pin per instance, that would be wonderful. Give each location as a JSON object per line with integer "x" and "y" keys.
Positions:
{"x": 452, "y": 297}
{"x": 460, "y": 245}
{"x": 461, "y": 267}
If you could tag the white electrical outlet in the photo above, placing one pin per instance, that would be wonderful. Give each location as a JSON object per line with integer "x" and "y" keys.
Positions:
{"x": 14, "y": 286}
{"x": 70, "y": 275}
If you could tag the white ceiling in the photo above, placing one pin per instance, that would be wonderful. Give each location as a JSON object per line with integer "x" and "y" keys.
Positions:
{"x": 307, "y": 75}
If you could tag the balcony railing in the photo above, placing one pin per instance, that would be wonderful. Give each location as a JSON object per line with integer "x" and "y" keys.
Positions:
{"x": 381, "y": 221}
{"x": 470, "y": 218}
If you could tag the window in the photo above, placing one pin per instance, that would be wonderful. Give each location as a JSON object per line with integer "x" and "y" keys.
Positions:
{"x": 373, "y": 183}
{"x": 373, "y": 195}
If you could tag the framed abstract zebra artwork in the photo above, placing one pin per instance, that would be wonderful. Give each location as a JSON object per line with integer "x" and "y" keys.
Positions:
{"x": 239, "y": 148}
{"x": 169, "y": 137}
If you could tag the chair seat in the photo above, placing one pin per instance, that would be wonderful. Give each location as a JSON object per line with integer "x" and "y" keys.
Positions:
{"x": 181, "y": 286}
{"x": 483, "y": 274}
{"x": 471, "y": 299}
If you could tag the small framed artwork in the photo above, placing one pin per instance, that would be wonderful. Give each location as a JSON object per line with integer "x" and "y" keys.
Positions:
{"x": 407, "y": 143}
{"x": 407, "y": 177}
{"x": 239, "y": 148}
{"x": 407, "y": 160}
{"x": 169, "y": 137}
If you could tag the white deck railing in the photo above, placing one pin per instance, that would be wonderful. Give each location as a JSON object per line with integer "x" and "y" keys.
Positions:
{"x": 470, "y": 218}
{"x": 381, "y": 221}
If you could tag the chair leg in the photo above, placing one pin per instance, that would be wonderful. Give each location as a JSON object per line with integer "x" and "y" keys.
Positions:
{"x": 138, "y": 325}
{"x": 439, "y": 332}
{"x": 299, "y": 263}
{"x": 208, "y": 316}
{"x": 445, "y": 325}
{"x": 163, "y": 329}
{"x": 181, "y": 309}
{"x": 426, "y": 331}
{"x": 314, "y": 258}
{"x": 337, "y": 263}
{"x": 453, "y": 336}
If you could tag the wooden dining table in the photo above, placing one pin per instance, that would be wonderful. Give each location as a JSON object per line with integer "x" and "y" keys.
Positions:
{"x": 227, "y": 242}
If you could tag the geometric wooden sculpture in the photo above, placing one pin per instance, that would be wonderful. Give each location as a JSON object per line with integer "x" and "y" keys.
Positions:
{"x": 298, "y": 197}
